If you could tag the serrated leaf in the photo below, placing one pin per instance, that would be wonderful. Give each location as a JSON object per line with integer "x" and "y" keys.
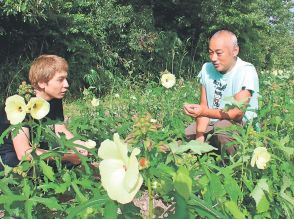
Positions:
{"x": 183, "y": 183}
{"x": 48, "y": 202}
{"x": 288, "y": 152}
{"x": 26, "y": 188}
{"x": 258, "y": 195}
{"x": 47, "y": 170}
{"x": 234, "y": 209}
{"x": 286, "y": 184}
{"x": 284, "y": 140}
{"x": 8, "y": 199}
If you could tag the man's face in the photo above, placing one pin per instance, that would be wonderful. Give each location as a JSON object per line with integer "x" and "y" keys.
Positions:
{"x": 222, "y": 53}
{"x": 55, "y": 87}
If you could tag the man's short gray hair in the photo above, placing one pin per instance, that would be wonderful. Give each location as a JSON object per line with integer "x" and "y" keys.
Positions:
{"x": 232, "y": 35}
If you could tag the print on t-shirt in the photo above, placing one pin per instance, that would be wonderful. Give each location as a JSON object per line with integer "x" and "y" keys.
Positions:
{"x": 218, "y": 93}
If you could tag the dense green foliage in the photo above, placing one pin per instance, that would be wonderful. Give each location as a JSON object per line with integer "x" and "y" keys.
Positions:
{"x": 116, "y": 51}
{"x": 103, "y": 40}
{"x": 195, "y": 183}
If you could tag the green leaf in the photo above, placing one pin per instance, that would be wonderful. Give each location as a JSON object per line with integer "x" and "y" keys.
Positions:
{"x": 180, "y": 208}
{"x": 26, "y": 188}
{"x": 8, "y": 199}
{"x": 258, "y": 195}
{"x": 47, "y": 170}
{"x": 234, "y": 209}
{"x": 110, "y": 210}
{"x": 231, "y": 103}
{"x": 196, "y": 147}
{"x": 29, "y": 204}
{"x": 232, "y": 188}
{"x": 204, "y": 206}
{"x": 215, "y": 186}
{"x": 288, "y": 151}
{"x": 286, "y": 184}
{"x": 50, "y": 203}
{"x": 79, "y": 195}
{"x": 183, "y": 183}
{"x": 97, "y": 202}
{"x": 263, "y": 205}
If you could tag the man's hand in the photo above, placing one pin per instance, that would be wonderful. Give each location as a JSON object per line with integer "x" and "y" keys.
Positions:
{"x": 194, "y": 110}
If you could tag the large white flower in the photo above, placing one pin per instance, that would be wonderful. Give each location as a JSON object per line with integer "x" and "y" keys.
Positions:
{"x": 120, "y": 175}
{"x": 260, "y": 157}
{"x": 168, "y": 80}
{"x": 15, "y": 108}
{"x": 38, "y": 107}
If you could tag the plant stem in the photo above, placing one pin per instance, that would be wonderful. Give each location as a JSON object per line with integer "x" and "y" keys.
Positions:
{"x": 150, "y": 198}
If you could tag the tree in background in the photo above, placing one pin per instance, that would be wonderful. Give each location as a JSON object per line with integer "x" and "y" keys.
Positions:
{"x": 107, "y": 40}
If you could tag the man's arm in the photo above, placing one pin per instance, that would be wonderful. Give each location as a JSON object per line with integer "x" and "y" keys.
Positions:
{"x": 61, "y": 128}
{"x": 235, "y": 114}
{"x": 21, "y": 144}
{"x": 202, "y": 122}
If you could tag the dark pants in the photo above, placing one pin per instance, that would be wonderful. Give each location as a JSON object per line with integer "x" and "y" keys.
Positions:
{"x": 9, "y": 159}
{"x": 218, "y": 139}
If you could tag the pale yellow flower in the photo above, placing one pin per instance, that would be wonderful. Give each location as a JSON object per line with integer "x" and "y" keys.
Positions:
{"x": 153, "y": 120}
{"x": 168, "y": 80}
{"x": 260, "y": 157}
{"x": 116, "y": 95}
{"x": 120, "y": 175}
{"x": 95, "y": 102}
{"x": 38, "y": 107}
{"x": 15, "y": 108}
{"x": 90, "y": 144}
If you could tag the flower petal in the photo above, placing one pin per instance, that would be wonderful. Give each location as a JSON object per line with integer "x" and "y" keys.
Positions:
{"x": 132, "y": 173}
{"x": 112, "y": 175}
{"x": 15, "y": 109}
{"x": 38, "y": 107}
{"x": 110, "y": 150}
{"x": 122, "y": 147}
{"x": 168, "y": 80}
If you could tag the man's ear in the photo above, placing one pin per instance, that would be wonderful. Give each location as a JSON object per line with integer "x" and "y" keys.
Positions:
{"x": 236, "y": 51}
{"x": 42, "y": 85}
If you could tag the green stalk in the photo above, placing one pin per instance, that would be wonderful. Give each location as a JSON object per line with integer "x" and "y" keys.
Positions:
{"x": 150, "y": 198}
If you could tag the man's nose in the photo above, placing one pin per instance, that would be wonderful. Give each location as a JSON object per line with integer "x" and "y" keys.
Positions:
{"x": 65, "y": 83}
{"x": 213, "y": 57}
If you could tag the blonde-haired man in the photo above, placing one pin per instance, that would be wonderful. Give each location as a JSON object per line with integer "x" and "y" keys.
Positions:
{"x": 48, "y": 76}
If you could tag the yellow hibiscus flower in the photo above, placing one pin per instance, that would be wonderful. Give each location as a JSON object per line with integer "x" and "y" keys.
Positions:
{"x": 38, "y": 107}
{"x": 168, "y": 80}
{"x": 120, "y": 175}
{"x": 260, "y": 157}
{"x": 15, "y": 108}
